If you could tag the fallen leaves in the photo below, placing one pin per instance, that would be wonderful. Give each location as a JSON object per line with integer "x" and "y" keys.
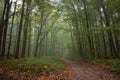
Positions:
{"x": 16, "y": 75}
{"x": 36, "y": 69}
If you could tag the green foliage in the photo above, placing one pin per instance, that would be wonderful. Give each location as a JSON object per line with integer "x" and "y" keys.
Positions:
{"x": 115, "y": 64}
{"x": 34, "y": 65}
{"x": 110, "y": 64}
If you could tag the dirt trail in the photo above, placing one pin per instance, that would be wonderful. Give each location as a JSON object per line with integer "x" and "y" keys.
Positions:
{"x": 85, "y": 71}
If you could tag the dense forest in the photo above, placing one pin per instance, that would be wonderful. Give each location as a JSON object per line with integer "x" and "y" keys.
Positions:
{"x": 87, "y": 29}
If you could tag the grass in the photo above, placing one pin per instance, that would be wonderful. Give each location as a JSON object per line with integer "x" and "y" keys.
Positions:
{"x": 34, "y": 65}
{"x": 110, "y": 64}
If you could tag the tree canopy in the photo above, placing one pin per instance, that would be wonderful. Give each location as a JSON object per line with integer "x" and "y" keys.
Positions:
{"x": 85, "y": 28}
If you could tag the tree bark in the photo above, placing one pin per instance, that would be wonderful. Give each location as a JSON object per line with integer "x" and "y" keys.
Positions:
{"x": 8, "y": 5}
{"x": 2, "y": 23}
{"x": 25, "y": 32}
{"x": 88, "y": 27}
{"x": 39, "y": 33}
{"x": 110, "y": 37}
{"x": 8, "y": 53}
{"x": 19, "y": 32}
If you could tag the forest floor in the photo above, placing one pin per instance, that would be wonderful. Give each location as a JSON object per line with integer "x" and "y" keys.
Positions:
{"x": 74, "y": 70}
{"x": 8, "y": 75}
{"x": 82, "y": 70}
{"x": 43, "y": 68}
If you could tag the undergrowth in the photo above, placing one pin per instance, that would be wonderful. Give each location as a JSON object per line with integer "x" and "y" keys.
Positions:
{"x": 42, "y": 65}
{"x": 110, "y": 64}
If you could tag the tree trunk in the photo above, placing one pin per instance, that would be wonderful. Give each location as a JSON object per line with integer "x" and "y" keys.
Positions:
{"x": 25, "y": 32}
{"x": 110, "y": 37}
{"x": 19, "y": 32}
{"x": 8, "y": 53}
{"x": 2, "y": 23}
{"x": 5, "y": 27}
{"x": 87, "y": 25}
{"x": 29, "y": 39}
{"x": 39, "y": 33}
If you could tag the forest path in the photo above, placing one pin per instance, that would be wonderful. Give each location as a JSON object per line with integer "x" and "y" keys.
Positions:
{"x": 85, "y": 71}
